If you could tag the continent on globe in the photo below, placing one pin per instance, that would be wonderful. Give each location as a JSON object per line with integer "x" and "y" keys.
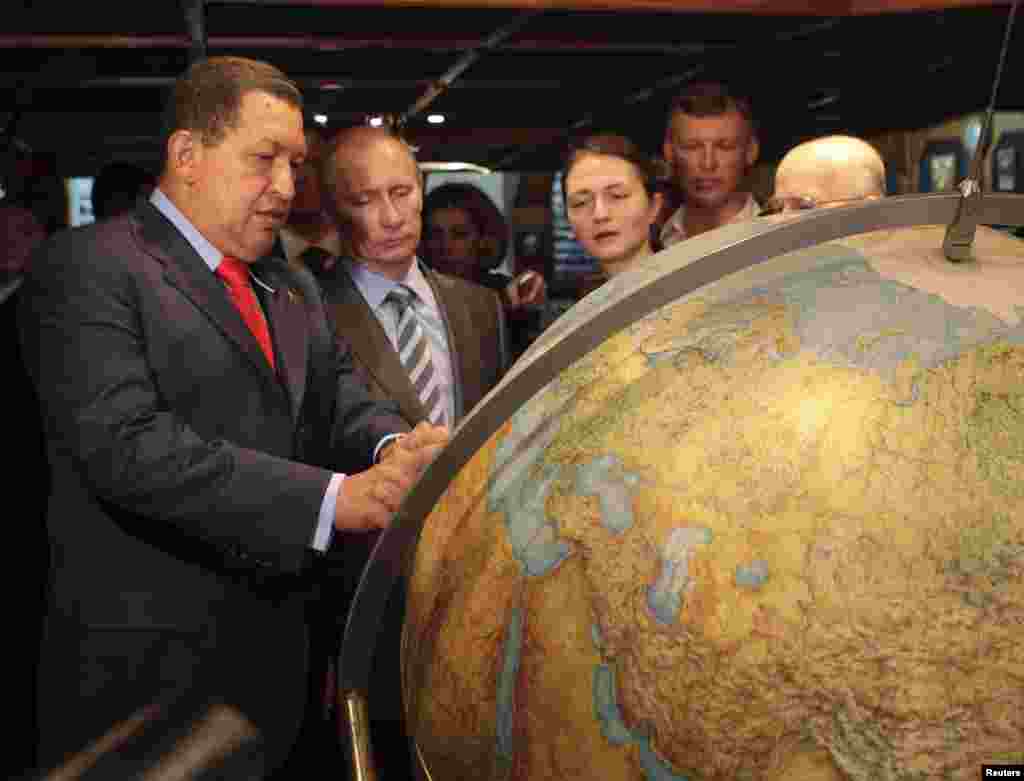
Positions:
{"x": 773, "y": 530}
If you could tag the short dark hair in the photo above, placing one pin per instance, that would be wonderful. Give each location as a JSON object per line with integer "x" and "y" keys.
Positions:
{"x": 711, "y": 99}
{"x": 465, "y": 196}
{"x": 206, "y": 99}
{"x": 614, "y": 145}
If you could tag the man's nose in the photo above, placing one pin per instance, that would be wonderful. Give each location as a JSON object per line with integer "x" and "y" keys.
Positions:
{"x": 709, "y": 160}
{"x": 600, "y": 208}
{"x": 391, "y": 215}
{"x": 284, "y": 179}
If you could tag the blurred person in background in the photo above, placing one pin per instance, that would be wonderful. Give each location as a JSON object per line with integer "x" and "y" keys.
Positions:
{"x": 466, "y": 235}
{"x": 310, "y": 237}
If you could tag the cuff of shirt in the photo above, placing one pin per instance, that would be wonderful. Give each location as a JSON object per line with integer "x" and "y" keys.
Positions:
{"x": 382, "y": 443}
{"x": 325, "y": 523}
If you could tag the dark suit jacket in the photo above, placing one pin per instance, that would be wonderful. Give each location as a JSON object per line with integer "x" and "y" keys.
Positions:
{"x": 475, "y": 325}
{"x": 26, "y": 496}
{"x": 187, "y": 477}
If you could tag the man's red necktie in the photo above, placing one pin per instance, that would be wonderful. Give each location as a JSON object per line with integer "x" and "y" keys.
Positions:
{"x": 236, "y": 274}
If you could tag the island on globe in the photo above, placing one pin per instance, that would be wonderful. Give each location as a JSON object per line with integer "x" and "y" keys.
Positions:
{"x": 772, "y": 530}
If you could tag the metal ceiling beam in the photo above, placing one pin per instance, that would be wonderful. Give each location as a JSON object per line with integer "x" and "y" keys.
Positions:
{"x": 322, "y": 43}
{"x": 441, "y": 86}
{"x": 758, "y": 7}
{"x": 195, "y": 23}
{"x": 334, "y": 84}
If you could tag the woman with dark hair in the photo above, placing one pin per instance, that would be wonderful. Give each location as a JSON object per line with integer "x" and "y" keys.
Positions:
{"x": 612, "y": 199}
{"x": 465, "y": 235}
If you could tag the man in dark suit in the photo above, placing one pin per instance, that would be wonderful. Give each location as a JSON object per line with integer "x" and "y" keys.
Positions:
{"x": 374, "y": 190}
{"x": 207, "y": 434}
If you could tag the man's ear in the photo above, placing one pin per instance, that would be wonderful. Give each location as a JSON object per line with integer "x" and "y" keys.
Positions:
{"x": 753, "y": 150}
{"x": 184, "y": 152}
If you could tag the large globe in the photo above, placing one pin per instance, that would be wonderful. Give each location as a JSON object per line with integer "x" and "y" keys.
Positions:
{"x": 773, "y": 530}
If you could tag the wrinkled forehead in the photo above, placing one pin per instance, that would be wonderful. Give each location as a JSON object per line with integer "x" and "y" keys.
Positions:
{"x": 728, "y": 126}
{"x": 265, "y": 116}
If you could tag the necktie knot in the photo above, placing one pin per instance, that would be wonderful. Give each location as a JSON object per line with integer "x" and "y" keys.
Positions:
{"x": 233, "y": 271}
{"x": 402, "y": 298}
{"x": 235, "y": 274}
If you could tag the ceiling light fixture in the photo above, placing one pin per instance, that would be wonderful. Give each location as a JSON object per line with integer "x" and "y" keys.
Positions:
{"x": 450, "y": 167}
{"x": 376, "y": 121}
{"x": 320, "y": 119}
{"x": 435, "y": 119}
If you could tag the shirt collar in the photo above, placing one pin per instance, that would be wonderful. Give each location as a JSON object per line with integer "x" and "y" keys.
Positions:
{"x": 674, "y": 228}
{"x": 209, "y": 253}
{"x": 375, "y": 287}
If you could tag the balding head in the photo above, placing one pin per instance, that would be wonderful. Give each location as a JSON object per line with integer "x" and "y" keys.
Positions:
{"x": 374, "y": 190}
{"x": 831, "y": 169}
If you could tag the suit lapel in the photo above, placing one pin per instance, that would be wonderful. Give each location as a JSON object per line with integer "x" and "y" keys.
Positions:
{"x": 186, "y": 271}
{"x": 289, "y": 326}
{"x": 359, "y": 326}
{"x": 459, "y": 330}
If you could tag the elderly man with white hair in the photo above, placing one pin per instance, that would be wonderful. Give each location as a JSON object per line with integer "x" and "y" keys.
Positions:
{"x": 825, "y": 172}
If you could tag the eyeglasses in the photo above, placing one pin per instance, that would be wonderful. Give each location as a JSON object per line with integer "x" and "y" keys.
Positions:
{"x": 800, "y": 203}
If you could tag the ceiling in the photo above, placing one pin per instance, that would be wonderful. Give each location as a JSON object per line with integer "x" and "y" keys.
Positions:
{"x": 85, "y": 81}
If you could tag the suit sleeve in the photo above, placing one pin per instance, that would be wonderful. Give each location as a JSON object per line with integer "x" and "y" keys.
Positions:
{"x": 85, "y": 336}
{"x": 359, "y": 420}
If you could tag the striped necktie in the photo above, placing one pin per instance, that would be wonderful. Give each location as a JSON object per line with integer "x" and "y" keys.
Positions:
{"x": 414, "y": 353}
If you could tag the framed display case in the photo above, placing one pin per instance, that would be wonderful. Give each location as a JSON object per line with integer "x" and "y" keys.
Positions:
{"x": 1008, "y": 163}
{"x": 943, "y": 165}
